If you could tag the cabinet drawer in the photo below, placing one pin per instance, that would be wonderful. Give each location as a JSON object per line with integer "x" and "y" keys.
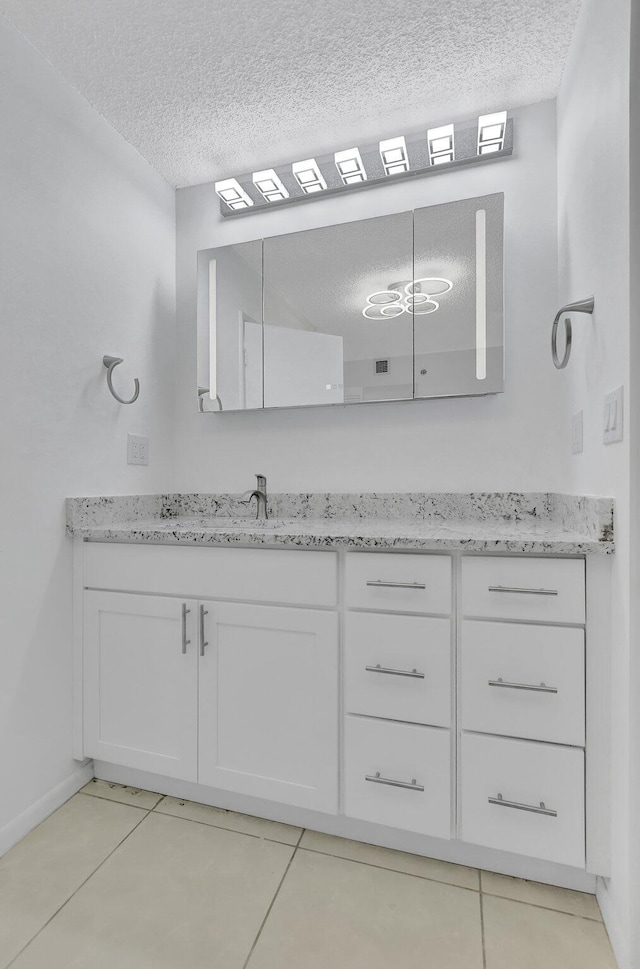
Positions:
{"x": 548, "y": 590}
{"x": 393, "y": 756}
{"x": 399, "y": 583}
{"x": 254, "y": 575}
{"x": 398, "y": 667}
{"x": 504, "y": 785}
{"x": 523, "y": 681}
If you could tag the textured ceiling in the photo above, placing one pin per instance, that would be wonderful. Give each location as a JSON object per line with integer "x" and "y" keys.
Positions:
{"x": 206, "y": 88}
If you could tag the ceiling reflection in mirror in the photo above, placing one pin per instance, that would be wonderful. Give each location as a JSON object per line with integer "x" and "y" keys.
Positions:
{"x": 390, "y": 308}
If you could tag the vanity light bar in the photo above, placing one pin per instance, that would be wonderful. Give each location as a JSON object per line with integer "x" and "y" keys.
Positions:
{"x": 393, "y": 153}
{"x": 232, "y": 193}
{"x": 350, "y": 167}
{"x": 441, "y": 144}
{"x": 308, "y": 176}
{"x": 270, "y": 186}
{"x": 491, "y": 131}
{"x": 471, "y": 142}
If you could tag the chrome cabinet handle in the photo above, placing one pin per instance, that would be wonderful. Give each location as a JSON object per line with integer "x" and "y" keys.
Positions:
{"x": 526, "y": 592}
{"x": 377, "y": 779}
{"x": 386, "y": 669}
{"x": 380, "y": 583}
{"x": 185, "y": 613}
{"x": 203, "y": 612}
{"x": 542, "y": 688}
{"x": 523, "y": 807}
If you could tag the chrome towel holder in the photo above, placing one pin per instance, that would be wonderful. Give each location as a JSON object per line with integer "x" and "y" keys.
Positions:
{"x": 111, "y": 363}
{"x": 580, "y": 306}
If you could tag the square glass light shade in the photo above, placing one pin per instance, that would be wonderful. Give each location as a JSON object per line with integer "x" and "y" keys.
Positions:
{"x": 393, "y": 153}
{"x": 491, "y": 132}
{"x": 441, "y": 144}
{"x": 270, "y": 186}
{"x": 350, "y": 166}
{"x": 308, "y": 176}
{"x": 232, "y": 193}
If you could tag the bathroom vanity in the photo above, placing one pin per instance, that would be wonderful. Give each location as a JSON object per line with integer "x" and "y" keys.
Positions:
{"x": 433, "y": 682}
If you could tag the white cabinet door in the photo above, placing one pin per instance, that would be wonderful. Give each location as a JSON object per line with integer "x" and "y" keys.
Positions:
{"x": 140, "y": 682}
{"x": 269, "y": 703}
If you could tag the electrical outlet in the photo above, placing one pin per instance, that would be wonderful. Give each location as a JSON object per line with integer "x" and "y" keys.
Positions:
{"x": 137, "y": 449}
{"x": 577, "y": 435}
{"x": 612, "y": 416}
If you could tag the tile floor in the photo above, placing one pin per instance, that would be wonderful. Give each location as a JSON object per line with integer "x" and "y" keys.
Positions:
{"x": 129, "y": 879}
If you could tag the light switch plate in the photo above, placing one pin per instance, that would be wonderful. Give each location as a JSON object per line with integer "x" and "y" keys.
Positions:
{"x": 137, "y": 449}
{"x": 577, "y": 435}
{"x": 613, "y": 416}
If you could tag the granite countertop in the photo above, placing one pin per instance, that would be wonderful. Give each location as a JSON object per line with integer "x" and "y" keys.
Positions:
{"x": 498, "y": 522}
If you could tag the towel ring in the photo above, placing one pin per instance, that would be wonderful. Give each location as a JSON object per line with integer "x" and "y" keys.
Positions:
{"x": 111, "y": 363}
{"x": 580, "y": 306}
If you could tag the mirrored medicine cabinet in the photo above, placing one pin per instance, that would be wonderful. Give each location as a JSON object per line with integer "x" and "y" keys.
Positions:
{"x": 397, "y": 307}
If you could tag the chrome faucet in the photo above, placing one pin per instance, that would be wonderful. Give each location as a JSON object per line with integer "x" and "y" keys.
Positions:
{"x": 260, "y": 493}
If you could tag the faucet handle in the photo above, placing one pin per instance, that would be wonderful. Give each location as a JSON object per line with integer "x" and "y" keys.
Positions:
{"x": 261, "y": 483}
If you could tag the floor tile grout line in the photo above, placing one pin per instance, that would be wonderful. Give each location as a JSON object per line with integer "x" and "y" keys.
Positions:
{"x": 398, "y": 871}
{"x": 288, "y": 844}
{"x": 81, "y": 885}
{"x": 484, "y": 949}
{"x": 115, "y": 800}
{"x": 272, "y": 903}
{"x": 545, "y": 908}
{"x": 219, "y": 827}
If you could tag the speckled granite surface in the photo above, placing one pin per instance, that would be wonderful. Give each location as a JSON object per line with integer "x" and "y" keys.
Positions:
{"x": 498, "y": 522}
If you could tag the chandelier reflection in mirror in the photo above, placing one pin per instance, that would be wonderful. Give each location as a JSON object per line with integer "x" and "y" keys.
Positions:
{"x": 409, "y": 296}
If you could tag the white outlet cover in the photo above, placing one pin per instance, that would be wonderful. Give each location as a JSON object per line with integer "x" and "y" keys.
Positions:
{"x": 137, "y": 449}
{"x": 577, "y": 433}
{"x": 612, "y": 421}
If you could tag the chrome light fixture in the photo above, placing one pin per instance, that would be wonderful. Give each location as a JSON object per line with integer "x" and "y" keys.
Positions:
{"x": 350, "y": 167}
{"x": 393, "y": 153}
{"x": 308, "y": 176}
{"x": 475, "y": 141}
{"x": 232, "y": 193}
{"x": 491, "y": 132}
{"x": 441, "y": 144}
{"x": 270, "y": 186}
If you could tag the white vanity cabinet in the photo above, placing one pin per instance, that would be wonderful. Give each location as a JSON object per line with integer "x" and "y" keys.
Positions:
{"x": 233, "y": 695}
{"x": 268, "y": 687}
{"x": 522, "y": 706}
{"x": 141, "y": 682}
{"x": 444, "y": 702}
{"x": 398, "y": 696}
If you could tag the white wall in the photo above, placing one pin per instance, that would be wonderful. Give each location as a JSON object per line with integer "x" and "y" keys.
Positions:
{"x": 593, "y": 194}
{"x": 512, "y": 441}
{"x": 87, "y": 251}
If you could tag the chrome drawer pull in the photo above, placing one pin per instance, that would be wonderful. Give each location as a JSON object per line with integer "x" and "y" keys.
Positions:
{"x": 526, "y": 592}
{"x": 385, "y": 669}
{"x": 377, "y": 779}
{"x": 185, "y": 613}
{"x": 523, "y": 807}
{"x": 542, "y": 688}
{"x": 380, "y": 583}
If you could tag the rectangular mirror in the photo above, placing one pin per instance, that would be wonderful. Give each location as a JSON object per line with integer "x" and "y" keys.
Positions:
{"x": 393, "y": 308}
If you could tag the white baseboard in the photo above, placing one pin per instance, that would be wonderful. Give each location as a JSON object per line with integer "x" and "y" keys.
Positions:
{"x": 458, "y": 852}
{"x": 20, "y": 826}
{"x": 617, "y": 936}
